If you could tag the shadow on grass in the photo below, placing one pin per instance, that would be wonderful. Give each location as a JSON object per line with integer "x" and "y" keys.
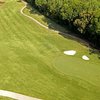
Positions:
{"x": 65, "y": 32}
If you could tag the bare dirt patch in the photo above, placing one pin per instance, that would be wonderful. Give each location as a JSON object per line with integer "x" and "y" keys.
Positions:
{"x": 70, "y": 52}
{"x": 2, "y": 2}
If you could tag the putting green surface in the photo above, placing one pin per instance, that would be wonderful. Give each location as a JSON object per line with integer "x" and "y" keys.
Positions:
{"x": 32, "y": 60}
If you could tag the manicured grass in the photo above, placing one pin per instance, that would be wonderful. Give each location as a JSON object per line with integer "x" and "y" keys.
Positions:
{"x": 45, "y": 21}
{"x": 32, "y": 60}
{"x": 5, "y": 98}
{"x": 63, "y": 63}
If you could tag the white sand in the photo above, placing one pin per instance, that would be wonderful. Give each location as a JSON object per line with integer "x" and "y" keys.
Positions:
{"x": 16, "y": 96}
{"x": 70, "y": 52}
{"x": 85, "y": 57}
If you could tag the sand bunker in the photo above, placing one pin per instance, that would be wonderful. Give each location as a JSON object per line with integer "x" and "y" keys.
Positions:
{"x": 85, "y": 57}
{"x": 70, "y": 52}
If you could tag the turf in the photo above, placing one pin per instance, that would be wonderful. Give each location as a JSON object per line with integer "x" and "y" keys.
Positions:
{"x": 5, "y": 98}
{"x": 32, "y": 60}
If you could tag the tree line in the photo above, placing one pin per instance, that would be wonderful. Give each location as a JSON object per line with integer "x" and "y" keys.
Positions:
{"x": 81, "y": 16}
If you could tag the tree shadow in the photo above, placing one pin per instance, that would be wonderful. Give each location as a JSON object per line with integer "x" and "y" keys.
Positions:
{"x": 94, "y": 51}
{"x": 65, "y": 32}
{"x": 19, "y": 0}
{"x": 33, "y": 10}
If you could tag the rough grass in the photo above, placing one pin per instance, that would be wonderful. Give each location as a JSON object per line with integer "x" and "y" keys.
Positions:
{"x": 32, "y": 60}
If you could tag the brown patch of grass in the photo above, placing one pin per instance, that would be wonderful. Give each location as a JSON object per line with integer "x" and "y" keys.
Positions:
{"x": 1, "y": 2}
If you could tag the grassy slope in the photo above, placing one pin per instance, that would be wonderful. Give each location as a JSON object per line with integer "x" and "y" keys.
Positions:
{"x": 31, "y": 59}
{"x": 5, "y": 98}
{"x": 67, "y": 67}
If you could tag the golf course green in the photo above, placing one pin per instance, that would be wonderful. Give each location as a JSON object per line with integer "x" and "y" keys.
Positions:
{"x": 32, "y": 61}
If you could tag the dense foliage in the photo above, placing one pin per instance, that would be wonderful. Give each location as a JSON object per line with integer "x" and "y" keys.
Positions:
{"x": 83, "y": 16}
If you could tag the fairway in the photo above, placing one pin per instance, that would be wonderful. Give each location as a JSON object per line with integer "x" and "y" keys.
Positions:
{"x": 32, "y": 61}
